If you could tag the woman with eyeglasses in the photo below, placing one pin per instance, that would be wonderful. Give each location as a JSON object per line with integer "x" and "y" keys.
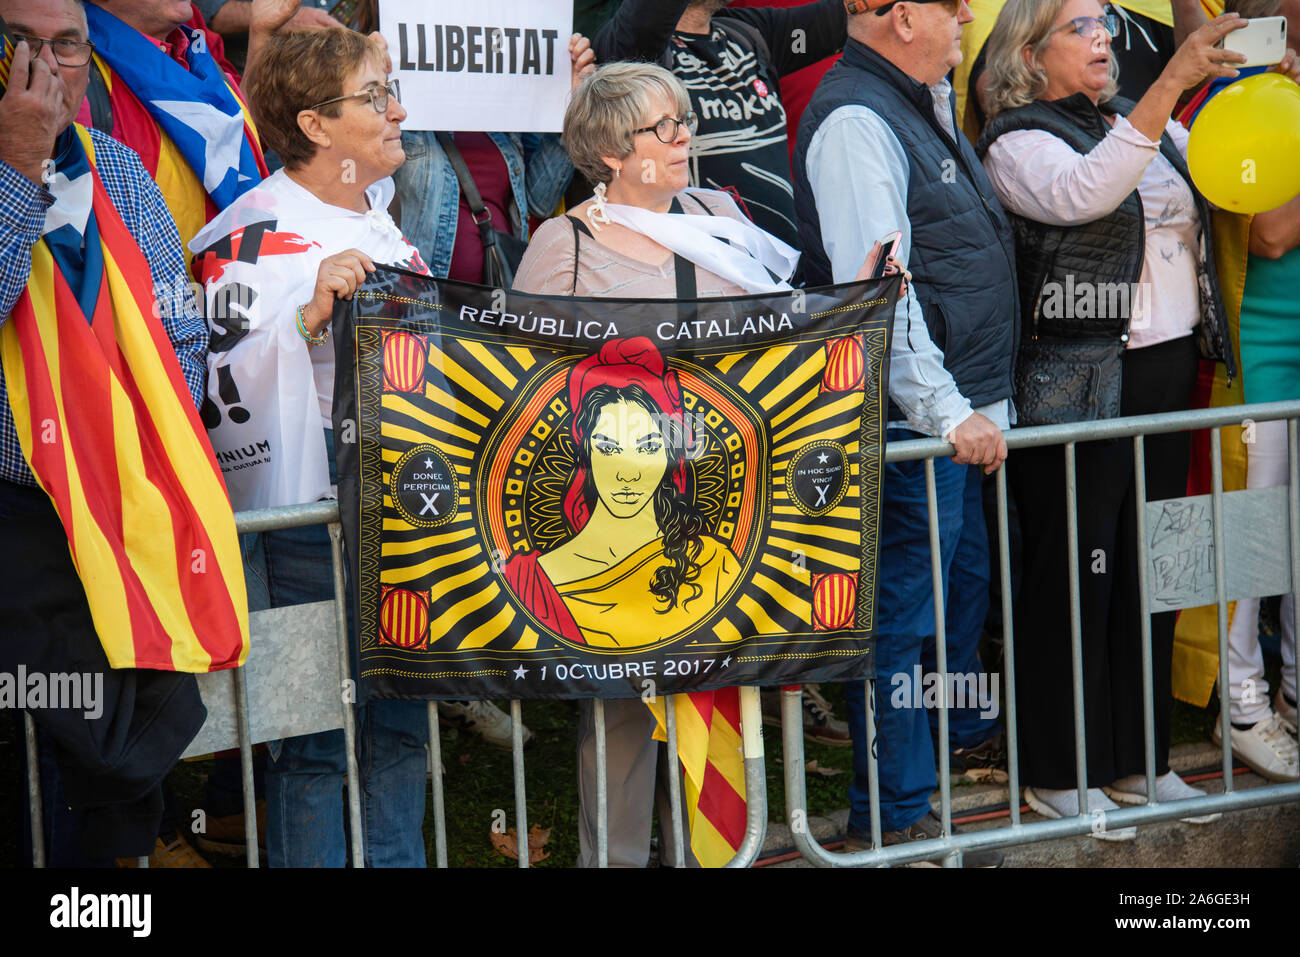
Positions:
{"x": 628, "y": 129}
{"x": 1119, "y": 301}
{"x": 273, "y": 264}
{"x": 644, "y": 235}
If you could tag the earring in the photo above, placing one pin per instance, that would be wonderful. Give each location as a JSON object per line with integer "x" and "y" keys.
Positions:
{"x": 618, "y": 172}
{"x": 596, "y": 214}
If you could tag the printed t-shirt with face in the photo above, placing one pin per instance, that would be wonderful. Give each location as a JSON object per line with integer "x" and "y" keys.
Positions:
{"x": 741, "y": 141}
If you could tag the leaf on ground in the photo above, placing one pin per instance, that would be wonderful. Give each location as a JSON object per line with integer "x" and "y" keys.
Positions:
{"x": 986, "y": 776}
{"x": 464, "y": 758}
{"x": 507, "y": 844}
{"x": 815, "y": 768}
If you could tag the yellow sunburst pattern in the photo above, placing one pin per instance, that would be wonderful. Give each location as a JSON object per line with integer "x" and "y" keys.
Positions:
{"x": 458, "y": 469}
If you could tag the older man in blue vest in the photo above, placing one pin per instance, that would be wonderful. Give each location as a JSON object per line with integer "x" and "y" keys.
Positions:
{"x": 879, "y": 149}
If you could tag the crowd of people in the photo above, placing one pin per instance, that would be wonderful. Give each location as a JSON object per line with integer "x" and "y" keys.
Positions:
{"x": 1016, "y": 145}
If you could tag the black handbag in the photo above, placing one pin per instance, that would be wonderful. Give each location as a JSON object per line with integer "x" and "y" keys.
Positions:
{"x": 1068, "y": 380}
{"x": 502, "y": 252}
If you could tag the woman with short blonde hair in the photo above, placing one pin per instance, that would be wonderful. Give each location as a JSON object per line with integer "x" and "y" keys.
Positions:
{"x": 607, "y": 108}
{"x": 643, "y": 235}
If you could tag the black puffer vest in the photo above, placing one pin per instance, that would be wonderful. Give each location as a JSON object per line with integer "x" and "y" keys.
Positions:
{"x": 962, "y": 258}
{"x": 1109, "y": 250}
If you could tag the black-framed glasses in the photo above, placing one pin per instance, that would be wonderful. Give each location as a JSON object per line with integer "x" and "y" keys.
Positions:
{"x": 666, "y": 129}
{"x": 954, "y": 5}
{"x": 1087, "y": 27}
{"x": 66, "y": 52}
{"x": 378, "y": 96}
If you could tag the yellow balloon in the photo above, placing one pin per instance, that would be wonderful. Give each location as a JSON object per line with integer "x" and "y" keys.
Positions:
{"x": 1244, "y": 148}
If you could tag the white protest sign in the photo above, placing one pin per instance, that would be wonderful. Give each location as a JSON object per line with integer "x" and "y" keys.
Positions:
{"x": 485, "y": 65}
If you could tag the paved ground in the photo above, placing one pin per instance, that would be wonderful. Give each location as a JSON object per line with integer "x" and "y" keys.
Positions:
{"x": 1259, "y": 837}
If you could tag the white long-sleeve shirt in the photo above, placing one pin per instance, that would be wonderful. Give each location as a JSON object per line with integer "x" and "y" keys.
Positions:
{"x": 859, "y": 177}
{"x": 1041, "y": 177}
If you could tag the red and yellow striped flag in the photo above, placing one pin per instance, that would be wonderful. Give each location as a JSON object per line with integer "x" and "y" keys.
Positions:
{"x": 109, "y": 429}
{"x": 6, "y": 57}
{"x": 710, "y": 747}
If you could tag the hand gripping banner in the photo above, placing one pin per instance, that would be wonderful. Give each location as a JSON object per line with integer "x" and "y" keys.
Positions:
{"x": 555, "y": 497}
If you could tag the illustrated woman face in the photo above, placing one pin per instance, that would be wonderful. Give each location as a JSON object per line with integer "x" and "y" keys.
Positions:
{"x": 628, "y": 458}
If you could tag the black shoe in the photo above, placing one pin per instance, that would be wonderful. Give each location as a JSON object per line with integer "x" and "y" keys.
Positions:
{"x": 929, "y": 828}
{"x": 990, "y": 754}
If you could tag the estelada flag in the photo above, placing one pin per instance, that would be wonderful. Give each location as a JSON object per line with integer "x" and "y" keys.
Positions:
{"x": 109, "y": 428}
{"x": 191, "y": 128}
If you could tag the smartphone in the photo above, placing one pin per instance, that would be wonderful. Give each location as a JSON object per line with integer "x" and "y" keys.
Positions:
{"x": 1263, "y": 41}
{"x": 878, "y": 258}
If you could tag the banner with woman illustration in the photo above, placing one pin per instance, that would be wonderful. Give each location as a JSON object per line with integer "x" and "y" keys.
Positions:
{"x": 555, "y": 497}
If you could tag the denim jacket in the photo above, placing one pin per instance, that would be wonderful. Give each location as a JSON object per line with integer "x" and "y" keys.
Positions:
{"x": 430, "y": 195}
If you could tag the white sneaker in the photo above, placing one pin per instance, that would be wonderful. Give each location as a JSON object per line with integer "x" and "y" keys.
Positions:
{"x": 1285, "y": 711}
{"x": 1059, "y": 804}
{"x": 481, "y": 717}
{"x": 1169, "y": 787}
{"x": 1267, "y": 748}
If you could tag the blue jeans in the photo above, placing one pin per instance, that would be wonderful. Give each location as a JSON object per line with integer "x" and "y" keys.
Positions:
{"x": 305, "y": 814}
{"x": 429, "y": 192}
{"x": 905, "y": 633}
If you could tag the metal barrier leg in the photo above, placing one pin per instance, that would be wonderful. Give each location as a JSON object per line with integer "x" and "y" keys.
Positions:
{"x": 240, "y": 680}
{"x": 796, "y": 789}
{"x": 873, "y": 764}
{"x": 1076, "y": 624}
{"x": 439, "y": 806}
{"x": 674, "y": 779}
{"x": 34, "y": 791}
{"x": 941, "y": 658}
{"x": 602, "y": 787}
{"x": 349, "y": 721}
{"x": 1008, "y": 646}
{"x": 1221, "y": 600}
{"x": 521, "y": 798}
{"x": 1144, "y": 616}
{"x": 1293, "y": 513}
{"x": 751, "y": 730}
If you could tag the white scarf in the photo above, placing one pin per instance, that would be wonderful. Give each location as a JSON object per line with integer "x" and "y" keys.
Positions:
{"x": 746, "y": 261}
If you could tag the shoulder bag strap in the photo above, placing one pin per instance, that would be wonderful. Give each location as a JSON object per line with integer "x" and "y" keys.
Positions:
{"x": 482, "y": 215}
{"x": 578, "y": 227}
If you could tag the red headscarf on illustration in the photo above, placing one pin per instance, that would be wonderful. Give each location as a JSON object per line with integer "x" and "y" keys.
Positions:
{"x": 619, "y": 363}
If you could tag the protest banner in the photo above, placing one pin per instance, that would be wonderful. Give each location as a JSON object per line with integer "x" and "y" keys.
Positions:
{"x": 556, "y": 497}
{"x": 484, "y": 65}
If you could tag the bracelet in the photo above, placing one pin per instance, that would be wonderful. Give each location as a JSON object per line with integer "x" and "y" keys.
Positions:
{"x": 311, "y": 340}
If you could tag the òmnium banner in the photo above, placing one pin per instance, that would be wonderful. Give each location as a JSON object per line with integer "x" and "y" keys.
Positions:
{"x": 556, "y": 497}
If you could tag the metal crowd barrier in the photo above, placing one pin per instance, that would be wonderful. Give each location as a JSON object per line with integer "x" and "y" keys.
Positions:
{"x": 282, "y": 651}
{"x": 949, "y": 847}
{"x": 233, "y": 722}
